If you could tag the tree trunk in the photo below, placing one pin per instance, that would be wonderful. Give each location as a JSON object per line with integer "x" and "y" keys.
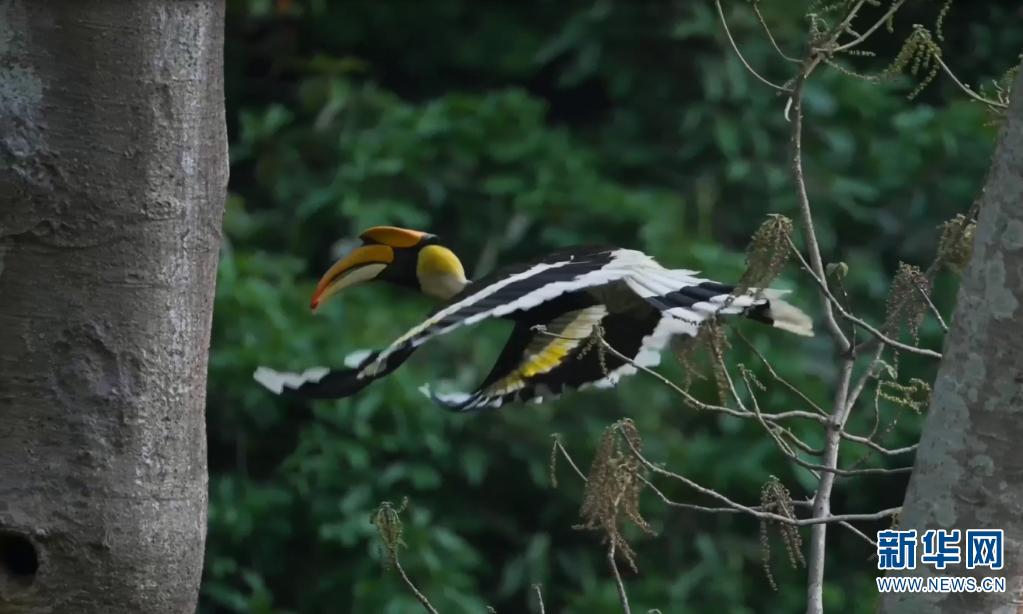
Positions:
{"x": 969, "y": 466}
{"x": 112, "y": 179}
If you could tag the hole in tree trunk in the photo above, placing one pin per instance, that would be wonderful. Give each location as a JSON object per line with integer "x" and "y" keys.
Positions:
{"x": 18, "y": 559}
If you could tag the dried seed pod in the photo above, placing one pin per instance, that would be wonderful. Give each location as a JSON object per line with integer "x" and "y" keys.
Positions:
{"x": 613, "y": 485}
{"x": 775, "y": 498}
{"x": 956, "y": 243}
{"x": 768, "y": 252}
{"x": 907, "y": 301}
{"x": 387, "y": 520}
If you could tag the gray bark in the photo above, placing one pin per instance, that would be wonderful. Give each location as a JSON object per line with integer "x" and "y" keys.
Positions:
{"x": 969, "y": 468}
{"x": 112, "y": 182}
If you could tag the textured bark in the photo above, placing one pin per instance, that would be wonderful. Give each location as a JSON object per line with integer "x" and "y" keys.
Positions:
{"x": 969, "y": 468}
{"x": 112, "y": 181}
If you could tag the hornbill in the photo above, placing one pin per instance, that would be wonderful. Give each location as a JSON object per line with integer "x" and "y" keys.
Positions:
{"x": 558, "y": 305}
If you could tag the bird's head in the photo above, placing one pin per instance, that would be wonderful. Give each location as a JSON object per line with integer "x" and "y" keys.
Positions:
{"x": 407, "y": 258}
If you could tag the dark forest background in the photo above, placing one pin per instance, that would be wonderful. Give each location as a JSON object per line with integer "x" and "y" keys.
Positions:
{"x": 511, "y": 129}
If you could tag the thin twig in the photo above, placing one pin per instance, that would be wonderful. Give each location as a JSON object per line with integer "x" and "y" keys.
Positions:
{"x": 782, "y": 445}
{"x": 723, "y": 369}
{"x": 622, "y": 595}
{"x": 770, "y": 417}
{"x": 966, "y": 88}
{"x": 735, "y": 47}
{"x": 857, "y": 389}
{"x": 817, "y": 468}
{"x": 858, "y": 532}
{"x": 660, "y": 494}
{"x": 795, "y": 440}
{"x": 664, "y": 498}
{"x": 881, "y": 337}
{"x": 703, "y": 508}
{"x": 412, "y": 587}
{"x": 773, "y": 417}
{"x": 822, "y": 53}
{"x": 781, "y": 380}
{"x": 849, "y": 472}
{"x": 568, "y": 457}
{"x": 870, "y": 443}
{"x": 806, "y": 216}
{"x": 758, "y": 513}
{"x": 877, "y": 411}
{"x": 866, "y": 34}
{"x": 539, "y": 598}
{"x": 770, "y": 36}
{"x": 933, "y": 307}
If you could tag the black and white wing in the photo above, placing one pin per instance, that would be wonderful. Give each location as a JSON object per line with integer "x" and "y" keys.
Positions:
{"x": 689, "y": 299}
{"x": 540, "y": 364}
{"x": 327, "y": 383}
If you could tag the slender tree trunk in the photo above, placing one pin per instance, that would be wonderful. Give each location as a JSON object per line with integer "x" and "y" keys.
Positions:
{"x": 112, "y": 179}
{"x": 969, "y": 468}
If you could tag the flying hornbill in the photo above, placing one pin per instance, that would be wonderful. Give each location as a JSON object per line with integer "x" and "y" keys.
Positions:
{"x": 558, "y": 304}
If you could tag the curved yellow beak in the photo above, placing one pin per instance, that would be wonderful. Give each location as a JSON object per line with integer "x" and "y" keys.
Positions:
{"x": 361, "y": 265}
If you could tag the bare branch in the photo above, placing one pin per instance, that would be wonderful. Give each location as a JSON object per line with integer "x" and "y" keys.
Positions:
{"x": 782, "y": 445}
{"x": 669, "y": 502}
{"x": 622, "y": 595}
{"x": 857, "y": 389}
{"x": 539, "y": 598}
{"x": 866, "y": 34}
{"x": 817, "y": 468}
{"x": 689, "y": 398}
{"x": 735, "y": 47}
{"x": 755, "y": 512}
{"x": 840, "y": 411}
{"x": 796, "y": 441}
{"x": 933, "y": 307}
{"x": 822, "y": 500}
{"x": 700, "y": 405}
{"x": 857, "y": 321}
{"x": 781, "y": 380}
{"x": 857, "y": 532}
{"x": 966, "y": 88}
{"x": 851, "y": 472}
{"x": 412, "y": 587}
{"x": 703, "y": 508}
{"x": 870, "y": 443}
{"x": 770, "y": 36}
{"x": 806, "y": 215}
{"x": 773, "y": 417}
{"x": 558, "y": 446}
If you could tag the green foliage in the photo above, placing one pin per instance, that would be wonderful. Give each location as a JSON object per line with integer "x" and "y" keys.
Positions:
{"x": 511, "y": 130}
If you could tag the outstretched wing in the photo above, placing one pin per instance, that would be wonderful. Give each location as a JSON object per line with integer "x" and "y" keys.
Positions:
{"x": 538, "y": 365}
{"x": 690, "y": 300}
{"x": 326, "y": 383}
